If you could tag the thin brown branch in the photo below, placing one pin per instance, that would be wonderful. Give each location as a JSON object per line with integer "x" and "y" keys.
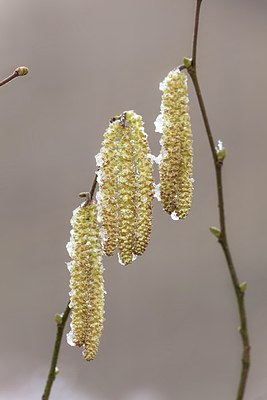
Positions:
{"x": 20, "y": 71}
{"x": 92, "y": 191}
{"x": 239, "y": 290}
{"x": 195, "y": 34}
{"x": 61, "y": 322}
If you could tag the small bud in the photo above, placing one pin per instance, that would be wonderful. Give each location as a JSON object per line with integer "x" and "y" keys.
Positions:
{"x": 58, "y": 318}
{"x": 243, "y": 287}
{"x": 83, "y": 194}
{"x": 221, "y": 154}
{"x": 215, "y": 231}
{"x": 22, "y": 71}
{"x": 221, "y": 151}
{"x": 187, "y": 62}
{"x": 56, "y": 371}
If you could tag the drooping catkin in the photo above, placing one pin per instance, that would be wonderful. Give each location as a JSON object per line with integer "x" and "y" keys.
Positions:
{"x": 129, "y": 188}
{"x": 175, "y": 166}
{"x": 107, "y": 179}
{"x": 144, "y": 183}
{"x": 126, "y": 196}
{"x": 95, "y": 291}
{"x": 86, "y": 281}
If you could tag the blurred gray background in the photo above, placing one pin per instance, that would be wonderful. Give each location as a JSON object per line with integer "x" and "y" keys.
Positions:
{"x": 171, "y": 317}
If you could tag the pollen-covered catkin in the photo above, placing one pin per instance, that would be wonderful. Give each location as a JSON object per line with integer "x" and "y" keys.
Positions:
{"x": 144, "y": 183}
{"x": 175, "y": 167}
{"x": 95, "y": 291}
{"x": 78, "y": 251}
{"x": 107, "y": 179}
{"x": 86, "y": 281}
{"x": 128, "y": 189}
{"x": 126, "y": 198}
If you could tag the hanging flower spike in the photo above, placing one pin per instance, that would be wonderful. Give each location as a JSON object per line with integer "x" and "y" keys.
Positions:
{"x": 107, "y": 195}
{"x": 78, "y": 250}
{"x": 175, "y": 167}
{"x": 96, "y": 290}
{"x": 86, "y": 282}
{"x": 126, "y": 196}
{"x": 125, "y": 187}
{"x": 144, "y": 183}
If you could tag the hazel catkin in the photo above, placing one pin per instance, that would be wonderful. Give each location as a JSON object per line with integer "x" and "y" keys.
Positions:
{"x": 86, "y": 281}
{"x": 125, "y": 187}
{"x": 175, "y": 166}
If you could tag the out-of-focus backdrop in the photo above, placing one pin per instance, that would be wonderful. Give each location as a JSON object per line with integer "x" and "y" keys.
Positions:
{"x": 171, "y": 329}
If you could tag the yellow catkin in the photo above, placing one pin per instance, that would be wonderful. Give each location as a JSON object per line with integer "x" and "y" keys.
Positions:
{"x": 78, "y": 250}
{"x": 107, "y": 178}
{"x": 96, "y": 298}
{"x": 144, "y": 183}
{"x": 86, "y": 281}
{"x": 125, "y": 187}
{"x": 175, "y": 167}
{"x": 126, "y": 197}
{"x": 185, "y": 181}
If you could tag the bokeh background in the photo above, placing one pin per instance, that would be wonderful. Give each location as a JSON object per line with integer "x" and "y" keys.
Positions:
{"x": 171, "y": 317}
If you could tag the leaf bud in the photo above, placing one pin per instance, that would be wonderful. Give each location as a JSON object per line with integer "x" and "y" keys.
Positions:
{"x": 22, "y": 71}
{"x": 59, "y": 318}
{"x": 243, "y": 287}
{"x": 187, "y": 62}
{"x": 215, "y": 231}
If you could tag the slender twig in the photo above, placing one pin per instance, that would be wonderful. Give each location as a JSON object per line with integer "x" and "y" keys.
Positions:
{"x": 92, "y": 191}
{"x": 20, "y": 71}
{"x": 195, "y": 34}
{"x": 239, "y": 289}
{"x": 61, "y": 322}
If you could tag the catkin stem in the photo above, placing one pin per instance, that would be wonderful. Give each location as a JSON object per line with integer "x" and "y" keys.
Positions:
{"x": 52, "y": 371}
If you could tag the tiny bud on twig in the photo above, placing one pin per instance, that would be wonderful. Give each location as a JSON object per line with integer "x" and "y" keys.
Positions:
{"x": 187, "y": 62}
{"x": 221, "y": 154}
{"x": 215, "y": 231}
{"x": 59, "y": 318}
{"x": 22, "y": 71}
{"x": 243, "y": 287}
{"x": 220, "y": 151}
{"x": 84, "y": 194}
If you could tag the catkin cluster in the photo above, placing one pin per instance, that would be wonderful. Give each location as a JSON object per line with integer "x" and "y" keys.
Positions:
{"x": 86, "y": 281}
{"x": 175, "y": 166}
{"x": 125, "y": 188}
